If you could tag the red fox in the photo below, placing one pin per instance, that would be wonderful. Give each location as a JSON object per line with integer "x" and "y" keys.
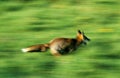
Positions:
{"x": 60, "y": 46}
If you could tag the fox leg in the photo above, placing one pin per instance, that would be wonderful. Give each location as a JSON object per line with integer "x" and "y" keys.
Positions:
{"x": 54, "y": 52}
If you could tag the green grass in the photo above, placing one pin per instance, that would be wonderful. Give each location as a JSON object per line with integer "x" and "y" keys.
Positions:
{"x": 27, "y": 22}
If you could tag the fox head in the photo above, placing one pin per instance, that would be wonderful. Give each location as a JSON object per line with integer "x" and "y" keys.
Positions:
{"x": 81, "y": 38}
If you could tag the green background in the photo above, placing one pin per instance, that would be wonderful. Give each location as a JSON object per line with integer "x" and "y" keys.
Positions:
{"x": 28, "y": 22}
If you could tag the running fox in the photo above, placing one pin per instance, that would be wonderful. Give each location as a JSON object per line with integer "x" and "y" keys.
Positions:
{"x": 60, "y": 46}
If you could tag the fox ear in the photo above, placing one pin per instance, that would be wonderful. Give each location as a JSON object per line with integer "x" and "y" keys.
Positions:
{"x": 83, "y": 32}
{"x": 79, "y": 31}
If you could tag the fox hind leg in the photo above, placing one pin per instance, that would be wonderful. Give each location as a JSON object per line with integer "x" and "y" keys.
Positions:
{"x": 55, "y": 52}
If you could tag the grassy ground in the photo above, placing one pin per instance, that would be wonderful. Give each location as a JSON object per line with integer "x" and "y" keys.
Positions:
{"x": 28, "y": 22}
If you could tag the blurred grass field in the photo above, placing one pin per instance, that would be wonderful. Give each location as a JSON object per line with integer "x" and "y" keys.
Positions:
{"x": 27, "y": 22}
